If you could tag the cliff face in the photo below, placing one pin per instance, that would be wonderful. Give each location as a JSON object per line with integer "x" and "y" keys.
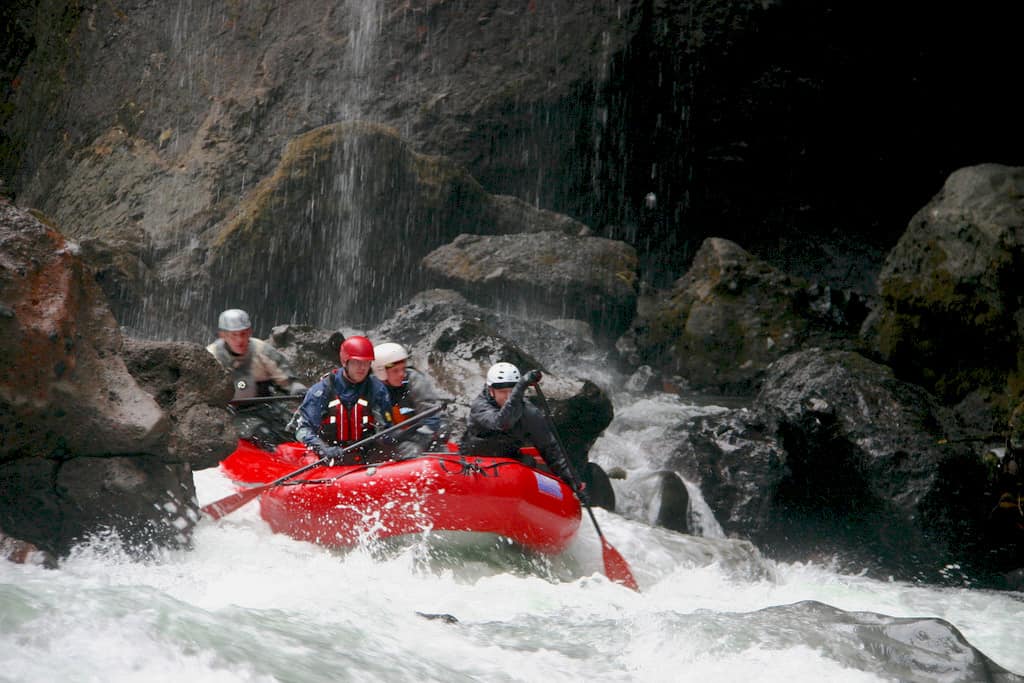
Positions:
{"x": 300, "y": 159}
{"x": 781, "y": 126}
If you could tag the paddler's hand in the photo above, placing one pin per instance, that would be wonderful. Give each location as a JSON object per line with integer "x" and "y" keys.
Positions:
{"x": 334, "y": 455}
{"x": 407, "y": 450}
{"x": 532, "y": 377}
{"x": 581, "y": 493}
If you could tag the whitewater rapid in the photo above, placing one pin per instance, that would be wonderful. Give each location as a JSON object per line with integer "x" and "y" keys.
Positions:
{"x": 247, "y": 605}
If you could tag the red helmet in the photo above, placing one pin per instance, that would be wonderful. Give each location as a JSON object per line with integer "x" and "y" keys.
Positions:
{"x": 359, "y": 348}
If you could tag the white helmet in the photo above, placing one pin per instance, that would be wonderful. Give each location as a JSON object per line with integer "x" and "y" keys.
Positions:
{"x": 234, "y": 320}
{"x": 502, "y": 376}
{"x": 385, "y": 355}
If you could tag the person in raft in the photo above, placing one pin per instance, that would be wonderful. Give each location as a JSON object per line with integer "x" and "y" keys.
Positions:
{"x": 257, "y": 370}
{"x": 255, "y": 365}
{"x": 411, "y": 392}
{"x": 501, "y": 421}
{"x": 346, "y": 405}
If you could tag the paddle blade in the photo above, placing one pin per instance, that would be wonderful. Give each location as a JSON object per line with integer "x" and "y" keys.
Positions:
{"x": 229, "y": 504}
{"x": 616, "y": 567}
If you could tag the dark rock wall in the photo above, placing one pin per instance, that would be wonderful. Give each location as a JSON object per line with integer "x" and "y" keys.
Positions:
{"x": 784, "y": 126}
{"x": 768, "y": 123}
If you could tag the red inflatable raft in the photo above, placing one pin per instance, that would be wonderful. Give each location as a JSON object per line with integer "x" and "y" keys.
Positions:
{"x": 340, "y": 506}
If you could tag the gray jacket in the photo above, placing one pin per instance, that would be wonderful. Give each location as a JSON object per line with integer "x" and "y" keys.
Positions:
{"x": 256, "y": 369}
{"x": 501, "y": 431}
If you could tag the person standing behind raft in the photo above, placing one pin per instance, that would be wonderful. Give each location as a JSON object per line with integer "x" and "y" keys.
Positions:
{"x": 345, "y": 406}
{"x": 411, "y": 392}
{"x": 253, "y": 363}
{"x": 501, "y": 421}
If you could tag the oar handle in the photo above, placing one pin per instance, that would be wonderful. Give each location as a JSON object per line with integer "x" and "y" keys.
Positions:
{"x": 264, "y": 399}
{"x": 554, "y": 430}
{"x": 558, "y": 439}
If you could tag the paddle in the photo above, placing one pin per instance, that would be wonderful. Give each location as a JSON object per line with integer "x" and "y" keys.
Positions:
{"x": 265, "y": 399}
{"x": 615, "y": 566}
{"x": 229, "y": 504}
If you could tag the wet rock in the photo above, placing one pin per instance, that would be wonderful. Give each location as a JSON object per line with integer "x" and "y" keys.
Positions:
{"x": 950, "y": 317}
{"x": 616, "y": 473}
{"x": 194, "y": 390}
{"x": 327, "y": 272}
{"x": 310, "y": 351}
{"x": 455, "y": 342}
{"x": 837, "y": 456}
{"x": 731, "y": 315}
{"x": 23, "y": 552}
{"x": 349, "y": 235}
{"x": 896, "y": 648}
{"x": 144, "y": 502}
{"x": 85, "y": 449}
{"x": 672, "y": 503}
{"x": 599, "y": 486}
{"x": 64, "y": 388}
{"x": 543, "y": 274}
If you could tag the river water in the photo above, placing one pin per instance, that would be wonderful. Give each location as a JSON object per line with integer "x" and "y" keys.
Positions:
{"x": 248, "y": 605}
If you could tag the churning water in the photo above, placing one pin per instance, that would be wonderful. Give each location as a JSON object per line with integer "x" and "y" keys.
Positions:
{"x": 248, "y": 605}
{"x": 245, "y": 604}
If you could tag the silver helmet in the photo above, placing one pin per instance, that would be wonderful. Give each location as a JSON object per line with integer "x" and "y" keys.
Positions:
{"x": 234, "y": 320}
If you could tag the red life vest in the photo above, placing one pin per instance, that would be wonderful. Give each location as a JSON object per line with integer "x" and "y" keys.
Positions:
{"x": 345, "y": 425}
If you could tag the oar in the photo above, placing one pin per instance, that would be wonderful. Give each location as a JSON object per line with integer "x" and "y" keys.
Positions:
{"x": 615, "y": 566}
{"x": 265, "y": 399}
{"x": 229, "y": 504}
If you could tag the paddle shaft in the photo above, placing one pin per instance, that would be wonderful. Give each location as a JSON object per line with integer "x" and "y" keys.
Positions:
{"x": 265, "y": 399}
{"x": 229, "y": 504}
{"x": 615, "y": 566}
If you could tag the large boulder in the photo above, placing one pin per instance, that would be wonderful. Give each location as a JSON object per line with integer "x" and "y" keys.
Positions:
{"x": 309, "y": 350}
{"x": 951, "y": 317}
{"x": 838, "y": 457}
{"x": 64, "y": 387}
{"x": 731, "y": 315}
{"x": 84, "y": 449}
{"x": 881, "y": 646}
{"x": 543, "y": 274}
{"x": 194, "y": 389}
{"x": 455, "y": 342}
{"x": 350, "y": 194}
{"x": 382, "y": 196}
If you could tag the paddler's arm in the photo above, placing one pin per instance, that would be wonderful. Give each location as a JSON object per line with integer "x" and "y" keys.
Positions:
{"x": 502, "y": 419}
{"x": 311, "y": 413}
{"x": 424, "y": 397}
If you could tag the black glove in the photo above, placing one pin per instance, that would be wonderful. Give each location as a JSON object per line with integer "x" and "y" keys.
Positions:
{"x": 334, "y": 455}
{"x": 532, "y": 377}
{"x": 407, "y": 450}
{"x": 582, "y": 494}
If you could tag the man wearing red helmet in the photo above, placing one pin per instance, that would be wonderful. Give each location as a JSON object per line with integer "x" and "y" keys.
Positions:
{"x": 346, "y": 405}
